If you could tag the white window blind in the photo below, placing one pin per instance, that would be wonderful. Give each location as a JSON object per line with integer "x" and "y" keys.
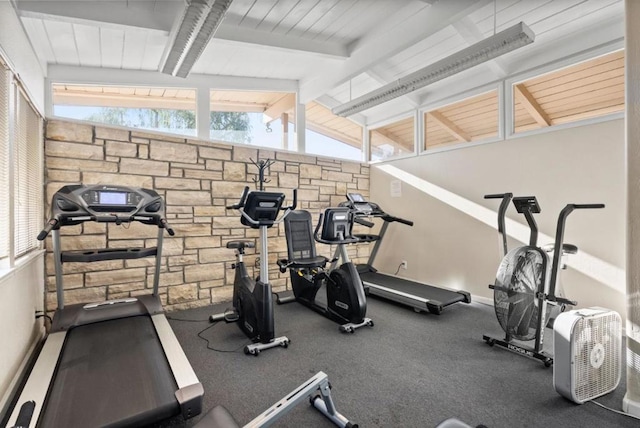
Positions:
{"x": 4, "y": 162}
{"x": 27, "y": 177}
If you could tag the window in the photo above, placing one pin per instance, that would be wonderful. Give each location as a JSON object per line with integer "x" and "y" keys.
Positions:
{"x": 27, "y": 178}
{"x": 586, "y": 90}
{"x": 393, "y": 140}
{"x": 469, "y": 120}
{"x": 21, "y": 192}
{"x": 169, "y": 110}
{"x": 4, "y": 163}
{"x": 251, "y": 117}
{"x": 331, "y": 135}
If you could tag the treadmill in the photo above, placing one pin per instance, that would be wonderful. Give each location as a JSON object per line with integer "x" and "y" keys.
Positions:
{"x": 418, "y": 295}
{"x": 113, "y": 363}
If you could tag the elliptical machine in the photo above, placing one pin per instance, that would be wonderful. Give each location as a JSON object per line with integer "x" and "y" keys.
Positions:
{"x": 345, "y": 296}
{"x": 527, "y": 295}
{"x": 252, "y": 299}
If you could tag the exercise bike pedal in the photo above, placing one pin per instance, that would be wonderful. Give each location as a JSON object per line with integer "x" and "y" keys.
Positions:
{"x": 227, "y": 316}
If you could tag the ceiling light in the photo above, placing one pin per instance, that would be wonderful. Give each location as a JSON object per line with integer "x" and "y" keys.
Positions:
{"x": 492, "y": 47}
{"x": 199, "y": 22}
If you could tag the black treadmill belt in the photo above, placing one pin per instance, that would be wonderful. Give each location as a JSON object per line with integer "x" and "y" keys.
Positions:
{"x": 111, "y": 373}
{"x": 413, "y": 288}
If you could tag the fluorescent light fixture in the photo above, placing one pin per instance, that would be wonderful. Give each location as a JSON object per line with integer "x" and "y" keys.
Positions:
{"x": 492, "y": 47}
{"x": 199, "y": 22}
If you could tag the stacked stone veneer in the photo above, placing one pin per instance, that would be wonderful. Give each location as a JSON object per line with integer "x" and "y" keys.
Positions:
{"x": 198, "y": 179}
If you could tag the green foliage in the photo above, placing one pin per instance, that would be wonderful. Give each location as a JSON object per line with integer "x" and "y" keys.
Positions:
{"x": 230, "y": 126}
{"x": 227, "y": 126}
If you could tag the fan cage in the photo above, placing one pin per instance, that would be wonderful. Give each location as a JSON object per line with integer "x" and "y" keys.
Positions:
{"x": 605, "y": 333}
{"x": 521, "y": 275}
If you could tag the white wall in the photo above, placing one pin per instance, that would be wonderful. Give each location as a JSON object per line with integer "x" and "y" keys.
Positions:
{"x": 21, "y": 289}
{"x": 21, "y": 295}
{"x": 16, "y": 48}
{"x": 448, "y": 247}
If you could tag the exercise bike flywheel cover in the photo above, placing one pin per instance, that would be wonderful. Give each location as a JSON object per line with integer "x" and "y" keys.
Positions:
{"x": 520, "y": 276}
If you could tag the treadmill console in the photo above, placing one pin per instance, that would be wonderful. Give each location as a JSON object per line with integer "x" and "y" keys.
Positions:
{"x": 359, "y": 203}
{"x": 75, "y": 204}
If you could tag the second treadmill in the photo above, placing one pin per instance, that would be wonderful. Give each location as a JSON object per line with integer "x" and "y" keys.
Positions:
{"x": 416, "y": 294}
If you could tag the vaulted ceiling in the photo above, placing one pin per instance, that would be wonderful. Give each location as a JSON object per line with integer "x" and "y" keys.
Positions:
{"x": 334, "y": 50}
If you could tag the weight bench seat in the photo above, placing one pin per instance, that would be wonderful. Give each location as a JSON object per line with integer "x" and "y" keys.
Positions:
{"x": 218, "y": 417}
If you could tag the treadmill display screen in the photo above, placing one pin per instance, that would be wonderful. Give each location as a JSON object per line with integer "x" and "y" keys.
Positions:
{"x": 112, "y": 198}
{"x": 355, "y": 197}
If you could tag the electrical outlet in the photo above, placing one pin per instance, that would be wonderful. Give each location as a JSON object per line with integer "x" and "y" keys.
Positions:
{"x": 403, "y": 264}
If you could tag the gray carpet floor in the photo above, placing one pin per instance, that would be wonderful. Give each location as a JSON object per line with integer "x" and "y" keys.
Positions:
{"x": 409, "y": 370}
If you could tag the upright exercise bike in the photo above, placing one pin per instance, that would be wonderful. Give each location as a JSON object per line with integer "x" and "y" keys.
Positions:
{"x": 526, "y": 290}
{"x": 252, "y": 299}
{"x": 345, "y": 296}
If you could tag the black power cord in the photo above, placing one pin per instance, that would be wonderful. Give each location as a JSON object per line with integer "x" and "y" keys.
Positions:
{"x": 199, "y": 334}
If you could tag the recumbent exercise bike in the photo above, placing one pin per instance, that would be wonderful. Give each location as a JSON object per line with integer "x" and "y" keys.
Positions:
{"x": 345, "y": 295}
{"x": 252, "y": 299}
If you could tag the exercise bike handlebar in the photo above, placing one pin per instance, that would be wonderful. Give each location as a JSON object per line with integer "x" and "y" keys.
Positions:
{"x": 498, "y": 195}
{"x": 294, "y": 204}
{"x": 557, "y": 246}
{"x": 243, "y": 200}
{"x": 586, "y": 206}
{"x": 502, "y": 212}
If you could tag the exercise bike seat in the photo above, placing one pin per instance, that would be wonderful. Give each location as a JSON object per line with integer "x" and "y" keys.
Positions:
{"x": 218, "y": 417}
{"x": 566, "y": 248}
{"x": 238, "y": 245}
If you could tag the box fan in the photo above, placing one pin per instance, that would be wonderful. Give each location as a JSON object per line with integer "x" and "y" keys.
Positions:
{"x": 588, "y": 353}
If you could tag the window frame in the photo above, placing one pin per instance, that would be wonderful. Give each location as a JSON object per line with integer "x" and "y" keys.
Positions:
{"x": 509, "y": 96}
{"x": 17, "y": 96}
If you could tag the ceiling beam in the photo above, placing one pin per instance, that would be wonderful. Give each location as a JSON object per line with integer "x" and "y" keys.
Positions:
{"x": 383, "y": 78}
{"x": 470, "y": 32}
{"x": 234, "y": 33}
{"x": 275, "y": 110}
{"x": 159, "y": 15}
{"x": 101, "y": 76}
{"x": 399, "y": 32}
{"x": 332, "y": 133}
{"x": 450, "y": 127}
{"x": 330, "y": 102}
{"x": 96, "y": 99}
{"x": 531, "y": 105}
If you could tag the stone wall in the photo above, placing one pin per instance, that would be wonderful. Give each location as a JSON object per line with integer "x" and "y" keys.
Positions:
{"x": 197, "y": 178}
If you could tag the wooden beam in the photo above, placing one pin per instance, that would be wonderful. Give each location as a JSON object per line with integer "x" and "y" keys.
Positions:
{"x": 449, "y": 126}
{"x": 283, "y": 105}
{"x": 117, "y": 100}
{"x": 393, "y": 139}
{"x": 331, "y": 133}
{"x": 531, "y": 105}
{"x": 114, "y": 99}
